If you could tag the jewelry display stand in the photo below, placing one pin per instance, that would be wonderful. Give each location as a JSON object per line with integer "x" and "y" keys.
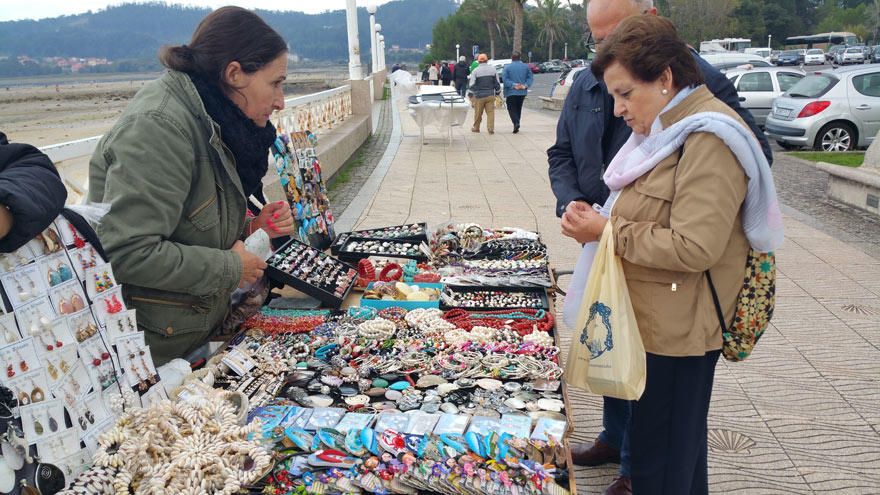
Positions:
{"x": 70, "y": 348}
{"x": 412, "y": 232}
{"x": 299, "y": 172}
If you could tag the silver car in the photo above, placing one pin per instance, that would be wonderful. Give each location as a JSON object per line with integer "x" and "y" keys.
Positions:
{"x": 831, "y": 110}
{"x": 852, "y": 55}
{"x": 757, "y": 87}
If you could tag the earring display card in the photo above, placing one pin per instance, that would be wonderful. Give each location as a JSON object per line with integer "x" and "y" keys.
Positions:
{"x": 88, "y": 413}
{"x": 312, "y": 272}
{"x": 56, "y": 269}
{"x": 68, "y": 298}
{"x": 29, "y": 388}
{"x": 18, "y": 359}
{"x": 42, "y": 420}
{"x": 53, "y": 335}
{"x": 59, "y": 363}
{"x": 121, "y": 324}
{"x": 47, "y": 242}
{"x": 23, "y": 285}
{"x": 108, "y": 303}
{"x": 85, "y": 257}
{"x": 154, "y": 396}
{"x": 99, "y": 279}
{"x": 82, "y": 325}
{"x": 65, "y": 230}
{"x": 9, "y": 331}
{"x": 20, "y": 257}
{"x": 101, "y": 364}
{"x": 91, "y": 437}
{"x": 77, "y": 383}
{"x": 30, "y": 315}
{"x": 65, "y": 444}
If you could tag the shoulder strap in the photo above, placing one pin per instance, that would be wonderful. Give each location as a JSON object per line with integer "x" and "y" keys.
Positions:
{"x": 715, "y": 300}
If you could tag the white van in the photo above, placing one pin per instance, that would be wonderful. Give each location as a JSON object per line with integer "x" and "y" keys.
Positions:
{"x": 761, "y": 52}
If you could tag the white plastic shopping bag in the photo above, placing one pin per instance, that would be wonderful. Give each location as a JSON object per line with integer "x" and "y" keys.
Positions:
{"x": 607, "y": 356}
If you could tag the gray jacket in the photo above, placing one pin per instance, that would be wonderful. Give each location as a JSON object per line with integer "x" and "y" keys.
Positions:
{"x": 484, "y": 82}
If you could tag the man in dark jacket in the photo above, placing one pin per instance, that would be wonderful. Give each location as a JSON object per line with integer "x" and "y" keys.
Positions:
{"x": 484, "y": 86}
{"x": 445, "y": 73}
{"x": 460, "y": 74}
{"x": 31, "y": 193}
{"x": 588, "y": 136}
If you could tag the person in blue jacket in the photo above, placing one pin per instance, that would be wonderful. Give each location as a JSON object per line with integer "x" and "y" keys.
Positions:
{"x": 588, "y": 135}
{"x": 31, "y": 193}
{"x": 517, "y": 79}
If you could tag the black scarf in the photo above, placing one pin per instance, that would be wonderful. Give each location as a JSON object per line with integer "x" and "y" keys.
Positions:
{"x": 248, "y": 142}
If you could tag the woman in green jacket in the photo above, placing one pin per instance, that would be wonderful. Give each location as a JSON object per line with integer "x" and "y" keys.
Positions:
{"x": 177, "y": 169}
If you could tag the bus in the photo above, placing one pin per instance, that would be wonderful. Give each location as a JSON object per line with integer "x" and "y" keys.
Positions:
{"x": 725, "y": 45}
{"x": 821, "y": 40}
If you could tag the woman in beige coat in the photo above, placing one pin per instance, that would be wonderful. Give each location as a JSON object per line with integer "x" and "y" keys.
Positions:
{"x": 675, "y": 218}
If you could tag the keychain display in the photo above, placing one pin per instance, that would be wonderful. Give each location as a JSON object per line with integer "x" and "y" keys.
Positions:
{"x": 299, "y": 172}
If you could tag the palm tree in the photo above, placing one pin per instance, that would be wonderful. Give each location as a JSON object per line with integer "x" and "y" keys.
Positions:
{"x": 490, "y": 12}
{"x": 552, "y": 22}
{"x": 518, "y": 14}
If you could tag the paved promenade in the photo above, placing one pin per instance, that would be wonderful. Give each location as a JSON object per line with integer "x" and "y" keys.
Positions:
{"x": 802, "y": 415}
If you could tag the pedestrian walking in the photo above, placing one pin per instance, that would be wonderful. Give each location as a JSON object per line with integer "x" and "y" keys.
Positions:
{"x": 445, "y": 74}
{"x": 425, "y": 73}
{"x": 460, "y": 73}
{"x": 484, "y": 87}
{"x": 517, "y": 79}
{"x": 433, "y": 73}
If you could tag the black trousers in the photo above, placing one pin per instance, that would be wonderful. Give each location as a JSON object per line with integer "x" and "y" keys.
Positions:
{"x": 514, "y": 108}
{"x": 668, "y": 426}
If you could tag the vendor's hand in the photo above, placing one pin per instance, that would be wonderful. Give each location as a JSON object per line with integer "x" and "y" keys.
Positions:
{"x": 582, "y": 225}
{"x": 275, "y": 219}
{"x": 251, "y": 265}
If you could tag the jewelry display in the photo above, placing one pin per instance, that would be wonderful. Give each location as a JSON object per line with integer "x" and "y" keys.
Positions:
{"x": 475, "y": 298}
{"x": 417, "y": 232}
{"x": 356, "y": 248}
{"x": 313, "y": 272}
{"x": 9, "y": 329}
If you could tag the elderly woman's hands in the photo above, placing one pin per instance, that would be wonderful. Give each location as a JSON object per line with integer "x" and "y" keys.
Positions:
{"x": 582, "y": 223}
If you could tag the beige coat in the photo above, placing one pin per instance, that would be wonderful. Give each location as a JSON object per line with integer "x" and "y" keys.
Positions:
{"x": 674, "y": 223}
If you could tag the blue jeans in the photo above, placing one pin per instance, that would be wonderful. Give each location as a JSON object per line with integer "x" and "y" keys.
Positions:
{"x": 616, "y": 414}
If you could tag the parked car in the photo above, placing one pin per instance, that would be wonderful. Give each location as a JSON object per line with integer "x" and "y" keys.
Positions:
{"x": 831, "y": 110}
{"x": 757, "y": 87}
{"x": 774, "y": 56}
{"x": 788, "y": 57}
{"x": 814, "y": 56}
{"x": 563, "y": 84}
{"x": 831, "y": 54}
{"x": 552, "y": 67}
{"x": 578, "y": 62}
{"x": 875, "y": 54}
{"x": 534, "y": 68}
{"x": 852, "y": 55}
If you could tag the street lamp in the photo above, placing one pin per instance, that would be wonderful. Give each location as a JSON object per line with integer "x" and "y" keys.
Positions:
{"x": 565, "y": 57}
{"x": 457, "y": 46}
{"x": 769, "y": 37}
{"x": 375, "y": 57}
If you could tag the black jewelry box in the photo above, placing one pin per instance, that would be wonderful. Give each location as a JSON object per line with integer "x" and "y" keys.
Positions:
{"x": 355, "y": 256}
{"x": 379, "y": 233}
{"x": 537, "y": 291}
{"x": 328, "y": 298}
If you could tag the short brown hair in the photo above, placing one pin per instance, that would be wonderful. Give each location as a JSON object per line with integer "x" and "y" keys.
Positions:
{"x": 645, "y": 45}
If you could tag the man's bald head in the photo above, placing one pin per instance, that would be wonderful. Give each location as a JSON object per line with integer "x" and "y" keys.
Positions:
{"x": 604, "y": 15}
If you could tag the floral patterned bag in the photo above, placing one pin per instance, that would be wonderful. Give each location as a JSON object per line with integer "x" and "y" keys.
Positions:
{"x": 754, "y": 306}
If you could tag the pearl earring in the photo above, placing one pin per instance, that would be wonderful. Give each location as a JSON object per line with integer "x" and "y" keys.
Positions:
{"x": 665, "y": 91}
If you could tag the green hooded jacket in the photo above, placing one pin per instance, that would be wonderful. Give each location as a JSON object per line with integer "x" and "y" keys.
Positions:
{"x": 176, "y": 208}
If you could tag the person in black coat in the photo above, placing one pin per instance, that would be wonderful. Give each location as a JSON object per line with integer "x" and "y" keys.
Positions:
{"x": 460, "y": 73}
{"x": 31, "y": 193}
{"x": 445, "y": 73}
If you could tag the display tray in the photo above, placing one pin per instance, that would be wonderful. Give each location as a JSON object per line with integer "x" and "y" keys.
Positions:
{"x": 407, "y": 305}
{"x": 538, "y": 292}
{"x": 383, "y": 233}
{"x": 329, "y": 298}
{"x": 346, "y": 254}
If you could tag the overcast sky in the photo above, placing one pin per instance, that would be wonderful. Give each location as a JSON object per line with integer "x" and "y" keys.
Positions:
{"x": 37, "y": 9}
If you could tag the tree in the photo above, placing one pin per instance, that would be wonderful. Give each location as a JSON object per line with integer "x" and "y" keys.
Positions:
{"x": 490, "y": 11}
{"x": 552, "y": 23}
{"x": 518, "y": 15}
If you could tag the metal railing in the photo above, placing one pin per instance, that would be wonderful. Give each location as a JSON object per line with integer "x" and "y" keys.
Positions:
{"x": 317, "y": 112}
